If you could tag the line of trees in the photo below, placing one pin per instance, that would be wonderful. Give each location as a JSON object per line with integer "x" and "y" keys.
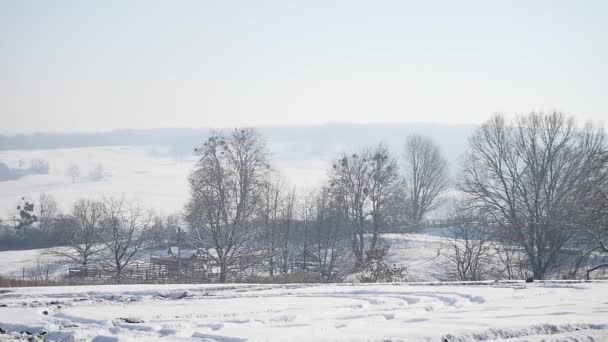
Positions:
{"x": 111, "y": 233}
{"x": 244, "y": 215}
{"x": 530, "y": 202}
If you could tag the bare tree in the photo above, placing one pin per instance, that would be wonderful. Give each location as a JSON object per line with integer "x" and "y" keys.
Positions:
{"x": 329, "y": 234}
{"x": 384, "y": 187}
{"x": 468, "y": 246}
{"x": 48, "y": 211}
{"x": 397, "y": 208}
{"x": 515, "y": 264}
{"x": 307, "y": 207}
{"x": 124, "y": 230}
{"x": 97, "y": 173}
{"x": 226, "y": 186}
{"x": 73, "y": 172}
{"x": 534, "y": 178}
{"x": 83, "y": 232}
{"x": 598, "y": 228}
{"x": 350, "y": 184}
{"x": 286, "y": 229}
{"x": 425, "y": 175}
{"x": 271, "y": 201}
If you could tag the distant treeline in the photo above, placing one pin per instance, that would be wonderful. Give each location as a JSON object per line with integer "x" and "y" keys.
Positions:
{"x": 36, "y": 167}
{"x": 166, "y": 137}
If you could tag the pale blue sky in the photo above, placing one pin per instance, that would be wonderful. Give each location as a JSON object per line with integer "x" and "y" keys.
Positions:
{"x": 88, "y": 66}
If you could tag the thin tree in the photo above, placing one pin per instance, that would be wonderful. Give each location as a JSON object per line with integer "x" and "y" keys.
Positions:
{"x": 598, "y": 229}
{"x": 286, "y": 234}
{"x": 83, "y": 228}
{"x": 350, "y": 183}
{"x": 48, "y": 211}
{"x": 73, "y": 172}
{"x": 425, "y": 175}
{"x": 308, "y": 212}
{"x": 125, "y": 228}
{"x": 329, "y": 233}
{"x": 271, "y": 200}
{"x": 468, "y": 247}
{"x": 384, "y": 185}
{"x": 97, "y": 173}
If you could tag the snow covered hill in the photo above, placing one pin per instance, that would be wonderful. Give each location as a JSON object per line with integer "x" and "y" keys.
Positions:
{"x": 388, "y": 312}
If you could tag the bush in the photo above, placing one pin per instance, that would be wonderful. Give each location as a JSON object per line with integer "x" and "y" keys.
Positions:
{"x": 375, "y": 270}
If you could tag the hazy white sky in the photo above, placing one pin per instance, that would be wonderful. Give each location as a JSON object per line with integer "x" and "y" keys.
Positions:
{"x": 88, "y": 66}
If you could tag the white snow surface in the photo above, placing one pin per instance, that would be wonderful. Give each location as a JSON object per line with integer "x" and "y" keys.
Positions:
{"x": 561, "y": 311}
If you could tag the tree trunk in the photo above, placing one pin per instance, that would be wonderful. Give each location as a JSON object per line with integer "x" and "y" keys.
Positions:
{"x": 223, "y": 272}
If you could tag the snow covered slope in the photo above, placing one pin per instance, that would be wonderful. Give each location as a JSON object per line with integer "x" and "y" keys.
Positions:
{"x": 424, "y": 312}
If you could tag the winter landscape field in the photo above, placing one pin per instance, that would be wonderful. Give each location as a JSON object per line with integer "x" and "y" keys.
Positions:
{"x": 421, "y": 306}
{"x": 231, "y": 171}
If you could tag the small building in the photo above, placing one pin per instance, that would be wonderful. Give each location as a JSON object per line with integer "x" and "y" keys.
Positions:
{"x": 191, "y": 261}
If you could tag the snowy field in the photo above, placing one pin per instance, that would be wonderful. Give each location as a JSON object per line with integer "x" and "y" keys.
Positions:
{"x": 388, "y": 312}
{"x": 147, "y": 174}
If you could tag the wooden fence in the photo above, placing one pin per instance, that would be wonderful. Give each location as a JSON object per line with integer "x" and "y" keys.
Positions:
{"x": 138, "y": 271}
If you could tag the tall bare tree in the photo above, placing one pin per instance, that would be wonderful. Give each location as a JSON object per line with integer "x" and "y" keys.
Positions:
{"x": 384, "y": 187}
{"x": 125, "y": 228}
{"x": 271, "y": 200}
{"x": 469, "y": 249}
{"x": 597, "y": 228}
{"x": 226, "y": 187}
{"x": 534, "y": 177}
{"x": 350, "y": 184}
{"x": 425, "y": 175}
{"x": 307, "y": 215}
{"x": 329, "y": 233}
{"x": 83, "y": 232}
{"x": 286, "y": 234}
{"x": 48, "y": 211}
{"x": 73, "y": 172}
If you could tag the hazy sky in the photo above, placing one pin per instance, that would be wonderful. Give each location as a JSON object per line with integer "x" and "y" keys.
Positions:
{"x": 87, "y": 66}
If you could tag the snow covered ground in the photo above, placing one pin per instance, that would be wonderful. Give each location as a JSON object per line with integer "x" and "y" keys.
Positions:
{"x": 408, "y": 312}
{"x": 25, "y": 262}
